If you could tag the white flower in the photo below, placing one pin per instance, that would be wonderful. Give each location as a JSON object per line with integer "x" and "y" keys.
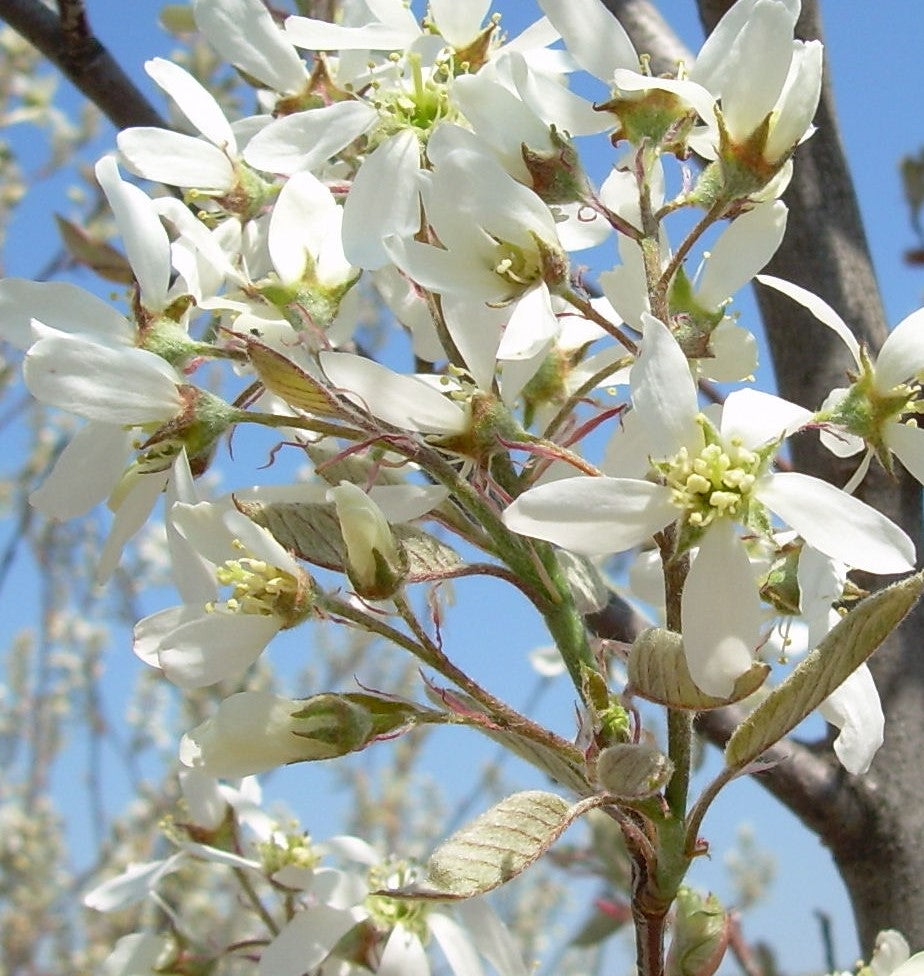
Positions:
{"x": 499, "y": 247}
{"x": 209, "y": 164}
{"x": 252, "y": 731}
{"x": 207, "y": 639}
{"x": 754, "y": 66}
{"x": 743, "y": 248}
{"x": 711, "y": 478}
{"x": 309, "y": 937}
{"x": 882, "y": 406}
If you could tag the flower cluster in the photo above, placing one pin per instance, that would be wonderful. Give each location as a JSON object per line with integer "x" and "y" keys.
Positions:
{"x": 430, "y": 166}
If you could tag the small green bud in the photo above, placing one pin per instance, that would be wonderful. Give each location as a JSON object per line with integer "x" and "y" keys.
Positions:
{"x": 700, "y": 935}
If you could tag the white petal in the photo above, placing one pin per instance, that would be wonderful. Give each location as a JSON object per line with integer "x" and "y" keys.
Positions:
{"x": 215, "y": 646}
{"x": 734, "y": 353}
{"x": 593, "y": 35}
{"x": 476, "y": 330}
{"x": 902, "y": 354}
{"x": 554, "y": 103}
{"x": 907, "y": 443}
{"x": 593, "y": 516}
{"x": 306, "y": 140}
{"x": 455, "y": 272}
{"x": 396, "y": 399}
{"x": 758, "y": 418}
{"x": 244, "y": 32}
{"x": 798, "y": 100}
{"x": 663, "y": 392}
{"x": 721, "y": 611}
{"x": 403, "y": 955}
{"x": 384, "y": 200}
{"x": 135, "y": 883}
{"x": 459, "y": 22}
{"x": 818, "y": 307}
{"x": 61, "y": 306}
{"x": 306, "y": 941}
{"x": 855, "y": 709}
{"x": 138, "y": 953}
{"x": 837, "y": 524}
{"x": 404, "y": 503}
{"x": 531, "y": 327}
{"x": 194, "y": 101}
{"x": 320, "y": 35}
{"x": 151, "y": 631}
{"x": 491, "y": 937}
{"x": 758, "y": 64}
{"x": 300, "y": 221}
{"x": 133, "y": 511}
{"x": 125, "y": 385}
{"x": 456, "y": 944}
{"x": 175, "y": 159}
{"x": 145, "y": 239}
{"x": 85, "y": 473}
{"x": 501, "y": 119}
{"x": 744, "y": 248}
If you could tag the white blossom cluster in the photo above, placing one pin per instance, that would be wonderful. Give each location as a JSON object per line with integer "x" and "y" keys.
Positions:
{"x": 433, "y": 162}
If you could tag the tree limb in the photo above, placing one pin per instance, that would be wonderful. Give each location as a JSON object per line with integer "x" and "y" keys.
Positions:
{"x": 69, "y": 44}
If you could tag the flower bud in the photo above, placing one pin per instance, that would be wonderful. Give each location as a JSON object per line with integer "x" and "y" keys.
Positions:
{"x": 700, "y": 935}
{"x": 375, "y": 565}
{"x": 254, "y": 731}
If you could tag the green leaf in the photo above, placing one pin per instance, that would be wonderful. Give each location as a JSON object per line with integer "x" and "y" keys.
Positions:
{"x": 499, "y": 845}
{"x": 852, "y": 640}
{"x": 311, "y": 530}
{"x": 658, "y": 672}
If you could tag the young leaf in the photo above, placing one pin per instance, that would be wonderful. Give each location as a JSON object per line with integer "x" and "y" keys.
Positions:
{"x": 658, "y": 672}
{"x": 843, "y": 650}
{"x": 499, "y": 845}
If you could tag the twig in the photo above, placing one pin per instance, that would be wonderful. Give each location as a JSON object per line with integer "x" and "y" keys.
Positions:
{"x": 70, "y": 44}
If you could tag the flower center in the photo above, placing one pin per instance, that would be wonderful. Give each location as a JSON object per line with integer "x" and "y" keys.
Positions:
{"x": 256, "y": 586}
{"x": 387, "y": 912}
{"x": 418, "y": 103}
{"x": 715, "y": 483}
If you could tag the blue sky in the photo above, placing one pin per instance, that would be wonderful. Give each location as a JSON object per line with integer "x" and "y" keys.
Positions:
{"x": 873, "y": 53}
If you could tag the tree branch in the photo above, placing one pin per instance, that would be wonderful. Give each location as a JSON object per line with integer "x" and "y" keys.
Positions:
{"x": 651, "y": 34}
{"x": 69, "y": 44}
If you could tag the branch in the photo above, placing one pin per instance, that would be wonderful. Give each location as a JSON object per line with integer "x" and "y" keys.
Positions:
{"x": 70, "y": 45}
{"x": 651, "y": 34}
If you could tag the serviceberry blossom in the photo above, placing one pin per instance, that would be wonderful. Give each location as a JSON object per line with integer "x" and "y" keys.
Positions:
{"x": 709, "y": 477}
{"x": 880, "y": 409}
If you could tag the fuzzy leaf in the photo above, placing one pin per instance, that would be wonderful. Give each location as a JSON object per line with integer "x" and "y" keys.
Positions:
{"x": 658, "y": 672}
{"x": 290, "y": 382}
{"x": 497, "y": 846}
{"x": 850, "y": 642}
{"x": 633, "y": 771}
{"x": 312, "y": 532}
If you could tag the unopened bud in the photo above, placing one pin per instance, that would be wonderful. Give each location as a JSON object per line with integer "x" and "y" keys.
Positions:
{"x": 375, "y": 565}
